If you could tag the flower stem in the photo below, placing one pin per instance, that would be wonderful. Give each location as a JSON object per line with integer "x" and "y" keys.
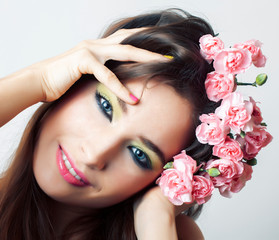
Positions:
{"x": 254, "y": 84}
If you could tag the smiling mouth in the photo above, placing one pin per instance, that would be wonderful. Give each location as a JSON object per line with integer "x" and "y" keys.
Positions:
{"x": 68, "y": 171}
{"x": 69, "y": 167}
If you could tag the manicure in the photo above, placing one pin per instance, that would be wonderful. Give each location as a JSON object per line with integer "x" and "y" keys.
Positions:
{"x": 168, "y": 56}
{"x": 134, "y": 98}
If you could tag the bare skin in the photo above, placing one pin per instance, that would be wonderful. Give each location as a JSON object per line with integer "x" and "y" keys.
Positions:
{"x": 48, "y": 80}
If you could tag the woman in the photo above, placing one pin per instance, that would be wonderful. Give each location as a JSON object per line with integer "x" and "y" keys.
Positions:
{"x": 89, "y": 158}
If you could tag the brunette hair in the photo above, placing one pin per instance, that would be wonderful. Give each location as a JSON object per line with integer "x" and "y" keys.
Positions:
{"x": 25, "y": 212}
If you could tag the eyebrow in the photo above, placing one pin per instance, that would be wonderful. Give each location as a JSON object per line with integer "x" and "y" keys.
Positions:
{"x": 154, "y": 148}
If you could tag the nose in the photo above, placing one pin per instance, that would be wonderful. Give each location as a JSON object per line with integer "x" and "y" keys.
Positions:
{"x": 100, "y": 149}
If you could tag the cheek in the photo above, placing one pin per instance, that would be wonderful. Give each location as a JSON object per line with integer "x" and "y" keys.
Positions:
{"x": 77, "y": 116}
{"x": 125, "y": 182}
{"x": 67, "y": 123}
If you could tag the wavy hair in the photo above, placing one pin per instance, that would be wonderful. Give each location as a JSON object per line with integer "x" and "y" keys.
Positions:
{"x": 25, "y": 210}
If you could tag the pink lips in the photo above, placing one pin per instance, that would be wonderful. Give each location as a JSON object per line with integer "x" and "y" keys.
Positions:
{"x": 65, "y": 172}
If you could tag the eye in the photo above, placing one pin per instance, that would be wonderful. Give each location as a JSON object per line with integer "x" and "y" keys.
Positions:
{"x": 140, "y": 157}
{"x": 104, "y": 106}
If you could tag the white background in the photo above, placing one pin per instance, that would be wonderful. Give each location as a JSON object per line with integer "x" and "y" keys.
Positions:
{"x": 31, "y": 31}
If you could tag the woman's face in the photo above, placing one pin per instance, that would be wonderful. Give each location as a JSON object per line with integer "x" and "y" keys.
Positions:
{"x": 95, "y": 151}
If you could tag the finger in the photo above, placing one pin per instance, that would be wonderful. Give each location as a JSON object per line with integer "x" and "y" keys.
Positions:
{"x": 120, "y": 35}
{"x": 130, "y": 53}
{"x": 108, "y": 78}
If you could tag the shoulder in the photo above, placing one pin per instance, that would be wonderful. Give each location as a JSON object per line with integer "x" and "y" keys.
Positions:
{"x": 187, "y": 229}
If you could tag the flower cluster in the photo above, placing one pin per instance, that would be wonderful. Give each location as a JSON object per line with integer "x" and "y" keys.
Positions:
{"x": 179, "y": 183}
{"x": 235, "y": 129}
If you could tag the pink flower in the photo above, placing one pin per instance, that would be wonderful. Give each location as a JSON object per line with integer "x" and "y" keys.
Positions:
{"x": 232, "y": 60}
{"x": 218, "y": 86}
{"x": 177, "y": 183}
{"x": 202, "y": 188}
{"x": 229, "y": 172}
{"x": 176, "y": 186}
{"x": 236, "y": 113}
{"x": 227, "y": 168}
{"x": 211, "y": 130}
{"x": 256, "y": 114}
{"x": 254, "y": 141}
{"x": 254, "y": 47}
{"x": 237, "y": 183}
{"x": 210, "y": 46}
{"x": 181, "y": 159}
{"x": 230, "y": 149}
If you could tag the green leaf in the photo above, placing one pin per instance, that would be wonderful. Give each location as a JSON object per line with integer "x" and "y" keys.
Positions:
{"x": 264, "y": 124}
{"x": 242, "y": 134}
{"x": 252, "y": 162}
{"x": 213, "y": 172}
{"x": 168, "y": 165}
{"x": 261, "y": 79}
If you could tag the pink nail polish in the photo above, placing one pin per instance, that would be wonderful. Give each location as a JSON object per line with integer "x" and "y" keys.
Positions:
{"x": 135, "y": 99}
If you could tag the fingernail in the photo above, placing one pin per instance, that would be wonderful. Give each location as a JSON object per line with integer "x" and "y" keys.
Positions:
{"x": 135, "y": 99}
{"x": 168, "y": 56}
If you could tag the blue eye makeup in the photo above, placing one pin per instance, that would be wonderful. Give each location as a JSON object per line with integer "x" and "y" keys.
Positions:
{"x": 104, "y": 105}
{"x": 140, "y": 158}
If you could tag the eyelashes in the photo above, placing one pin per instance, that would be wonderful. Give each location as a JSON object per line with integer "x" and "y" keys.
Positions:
{"x": 104, "y": 105}
{"x": 140, "y": 157}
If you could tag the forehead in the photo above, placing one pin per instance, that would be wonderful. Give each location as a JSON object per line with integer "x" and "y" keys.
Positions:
{"x": 162, "y": 115}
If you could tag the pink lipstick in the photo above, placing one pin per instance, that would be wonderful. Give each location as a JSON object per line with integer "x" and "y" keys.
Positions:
{"x": 68, "y": 170}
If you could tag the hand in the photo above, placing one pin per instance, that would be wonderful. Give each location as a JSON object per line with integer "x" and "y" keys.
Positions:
{"x": 58, "y": 74}
{"x": 154, "y": 216}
